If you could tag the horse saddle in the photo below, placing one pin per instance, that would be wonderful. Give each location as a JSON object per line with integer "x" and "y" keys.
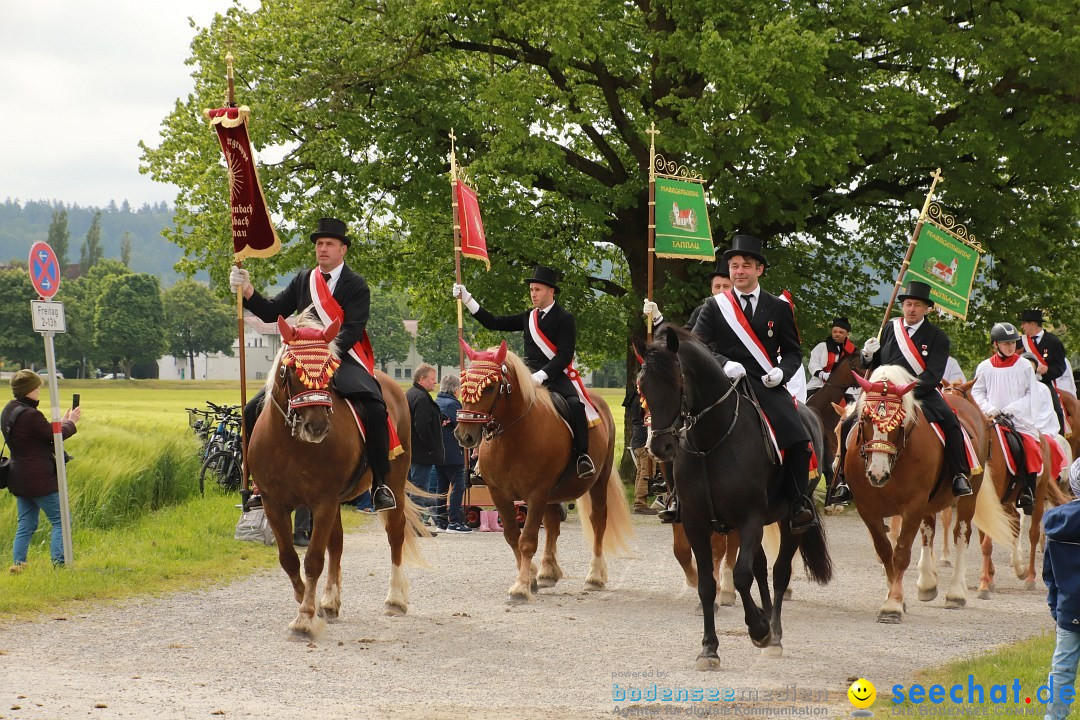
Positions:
{"x": 1016, "y": 447}
{"x": 771, "y": 445}
{"x": 563, "y": 408}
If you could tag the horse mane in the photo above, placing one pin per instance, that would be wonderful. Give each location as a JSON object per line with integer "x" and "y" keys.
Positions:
{"x": 896, "y": 375}
{"x": 529, "y": 391}
{"x": 306, "y": 319}
{"x": 701, "y": 357}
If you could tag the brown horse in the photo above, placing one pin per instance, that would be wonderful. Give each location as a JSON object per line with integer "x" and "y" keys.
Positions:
{"x": 1007, "y": 490}
{"x": 299, "y": 457}
{"x": 1071, "y": 406}
{"x": 824, "y": 402}
{"x": 525, "y": 455}
{"x": 894, "y": 465}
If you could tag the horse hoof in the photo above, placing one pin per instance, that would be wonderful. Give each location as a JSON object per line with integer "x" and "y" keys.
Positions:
{"x": 727, "y": 599}
{"x": 330, "y": 613}
{"x": 1030, "y": 584}
{"x": 993, "y": 586}
{"x": 927, "y": 595}
{"x": 535, "y": 585}
{"x": 890, "y": 617}
{"x": 983, "y": 594}
{"x": 955, "y": 603}
{"x": 545, "y": 582}
{"x": 517, "y": 599}
{"x": 773, "y": 651}
{"x": 707, "y": 663}
{"x": 788, "y": 594}
{"x": 395, "y": 610}
{"x": 763, "y": 642}
{"x": 594, "y": 585}
{"x": 945, "y": 563}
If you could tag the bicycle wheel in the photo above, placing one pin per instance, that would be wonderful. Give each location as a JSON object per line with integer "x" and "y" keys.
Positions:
{"x": 222, "y": 468}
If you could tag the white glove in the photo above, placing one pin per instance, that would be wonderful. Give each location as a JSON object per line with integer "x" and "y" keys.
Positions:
{"x": 466, "y": 298}
{"x": 824, "y": 376}
{"x": 773, "y": 378}
{"x": 871, "y": 346}
{"x": 539, "y": 377}
{"x": 734, "y": 370}
{"x": 993, "y": 413}
{"x": 651, "y": 308}
{"x": 239, "y": 278}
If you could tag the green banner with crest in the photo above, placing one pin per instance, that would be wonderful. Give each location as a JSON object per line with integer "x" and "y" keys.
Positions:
{"x": 947, "y": 264}
{"x": 682, "y": 220}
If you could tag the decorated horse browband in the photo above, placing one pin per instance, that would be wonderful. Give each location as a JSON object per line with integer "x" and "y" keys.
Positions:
{"x": 479, "y": 376}
{"x": 885, "y": 411}
{"x": 315, "y": 365}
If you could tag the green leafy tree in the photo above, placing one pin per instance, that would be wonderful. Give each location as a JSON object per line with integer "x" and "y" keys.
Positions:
{"x": 196, "y": 322}
{"x": 19, "y": 344}
{"x": 125, "y": 249}
{"x": 59, "y": 236}
{"x": 129, "y": 320}
{"x": 437, "y": 344}
{"x": 390, "y": 340}
{"x": 92, "y": 252}
{"x": 76, "y": 352}
{"x": 815, "y": 124}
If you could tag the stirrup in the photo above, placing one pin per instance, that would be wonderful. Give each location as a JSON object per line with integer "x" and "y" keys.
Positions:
{"x": 805, "y": 508}
{"x": 1026, "y": 501}
{"x": 670, "y": 514}
{"x": 585, "y": 467}
{"x": 839, "y": 495}
{"x": 382, "y": 499}
{"x": 960, "y": 486}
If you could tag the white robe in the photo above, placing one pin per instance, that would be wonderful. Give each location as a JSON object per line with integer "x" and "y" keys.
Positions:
{"x": 1007, "y": 390}
{"x": 953, "y": 373}
{"x": 1066, "y": 381}
{"x": 1042, "y": 409}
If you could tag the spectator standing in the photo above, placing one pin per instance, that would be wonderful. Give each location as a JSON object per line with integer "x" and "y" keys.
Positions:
{"x": 1061, "y": 573}
{"x": 450, "y": 473}
{"x": 32, "y": 479}
{"x": 427, "y": 440}
{"x": 638, "y": 435}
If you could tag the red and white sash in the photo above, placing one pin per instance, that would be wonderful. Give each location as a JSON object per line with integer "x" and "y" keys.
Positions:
{"x": 329, "y": 309}
{"x": 736, "y": 320}
{"x": 549, "y": 348}
{"x": 907, "y": 347}
{"x": 969, "y": 448}
{"x": 1029, "y": 345}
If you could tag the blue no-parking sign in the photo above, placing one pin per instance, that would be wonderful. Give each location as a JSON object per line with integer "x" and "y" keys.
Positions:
{"x": 44, "y": 270}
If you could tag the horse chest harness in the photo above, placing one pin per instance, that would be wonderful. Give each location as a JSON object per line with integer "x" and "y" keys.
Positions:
{"x": 685, "y": 421}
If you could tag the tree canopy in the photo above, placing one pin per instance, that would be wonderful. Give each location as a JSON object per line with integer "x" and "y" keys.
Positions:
{"x": 816, "y": 124}
{"x": 197, "y": 321}
{"x": 129, "y": 321}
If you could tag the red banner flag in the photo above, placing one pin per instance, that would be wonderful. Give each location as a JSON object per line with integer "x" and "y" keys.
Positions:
{"x": 252, "y": 232}
{"x": 473, "y": 243}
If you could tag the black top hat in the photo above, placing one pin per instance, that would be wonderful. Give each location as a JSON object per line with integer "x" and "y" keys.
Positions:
{"x": 721, "y": 270}
{"x": 916, "y": 291}
{"x": 747, "y": 246}
{"x": 545, "y": 276}
{"x": 1034, "y": 316}
{"x": 331, "y": 227}
{"x": 841, "y": 322}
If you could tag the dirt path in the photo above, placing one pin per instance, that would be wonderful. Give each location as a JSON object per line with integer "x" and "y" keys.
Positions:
{"x": 462, "y": 652}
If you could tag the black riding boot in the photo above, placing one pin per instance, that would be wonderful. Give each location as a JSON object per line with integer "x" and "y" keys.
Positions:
{"x": 956, "y": 457}
{"x": 378, "y": 452}
{"x": 840, "y": 493}
{"x": 1026, "y": 499}
{"x": 670, "y": 513}
{"x": 580, "y": 423}
{"x": 302, "y": 527}
{"x": 797, "y": 475}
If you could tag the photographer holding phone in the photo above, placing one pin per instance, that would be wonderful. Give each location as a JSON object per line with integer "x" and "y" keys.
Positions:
{"x": 32, "y": 480}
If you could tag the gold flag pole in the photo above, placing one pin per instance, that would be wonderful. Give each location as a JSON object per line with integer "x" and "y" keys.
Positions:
{"x": 653, "y": 132}
{"x": 230, "y": 101}
{"x": 937, "y": 176}
{"x": 457, "y": 272}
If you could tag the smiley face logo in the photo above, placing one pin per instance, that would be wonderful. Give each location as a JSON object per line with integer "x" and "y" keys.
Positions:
{"x": 862, "y": 693}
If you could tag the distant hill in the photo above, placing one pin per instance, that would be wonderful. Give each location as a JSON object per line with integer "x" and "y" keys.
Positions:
{"x": 24, "y": 223}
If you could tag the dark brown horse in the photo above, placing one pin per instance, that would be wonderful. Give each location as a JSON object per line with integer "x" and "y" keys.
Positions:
{"x": 831, "y": 393}
{"x": 525, "y": 455}
{"x": 895, "y": 466}
{"x": 305, "y": 450}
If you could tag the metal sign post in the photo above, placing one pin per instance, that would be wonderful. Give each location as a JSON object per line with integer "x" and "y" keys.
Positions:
{"x": 49, "y": 319}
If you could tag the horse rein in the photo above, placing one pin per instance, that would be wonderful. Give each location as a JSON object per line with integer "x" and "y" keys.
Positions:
{"x": 492, "y": 427}
{"x": 684, "y": 422}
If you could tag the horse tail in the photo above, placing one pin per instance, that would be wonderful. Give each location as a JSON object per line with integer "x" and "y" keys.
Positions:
{"x": 815, "y": 554}
{"x": 770, "y": 541}
{"x": 619, "y": 528}
{"x": 1053, "y": 492}
{"x": 414, "y": 528}
{"x": 989, "y": 516}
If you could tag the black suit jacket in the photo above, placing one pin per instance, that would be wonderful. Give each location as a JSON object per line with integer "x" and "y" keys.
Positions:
{"x": 932, "y": 344}
{"x": 353, "y": 295}
{"x": 777, "y": 402}
{"x": 558, "y": 325}
{"x": 1053, "y": 354}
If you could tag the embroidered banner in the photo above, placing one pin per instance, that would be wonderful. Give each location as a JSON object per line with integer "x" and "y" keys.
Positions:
{"x": 252, "y": 232}
{"x": 473, "y": 241}
{"x": 682, "y": 221}
{"x": 947, "y": 264}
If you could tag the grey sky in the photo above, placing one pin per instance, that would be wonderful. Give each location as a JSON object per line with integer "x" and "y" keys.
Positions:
{"x": 81, "y": 82}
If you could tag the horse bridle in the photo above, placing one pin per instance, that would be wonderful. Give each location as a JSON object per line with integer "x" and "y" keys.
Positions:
{"x": 685, "y": 421}
{"x": 319, "y": 397}
{"x": 881, "y": 446}
{"x": 492, "y": 427}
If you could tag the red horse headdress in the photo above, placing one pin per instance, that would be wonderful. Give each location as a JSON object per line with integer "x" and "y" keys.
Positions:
{"x": 485, "y": 369}
{"x": 307, "y": 349}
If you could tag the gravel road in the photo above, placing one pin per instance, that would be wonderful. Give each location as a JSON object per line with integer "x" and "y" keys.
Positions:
{"x": 462, "y": 652}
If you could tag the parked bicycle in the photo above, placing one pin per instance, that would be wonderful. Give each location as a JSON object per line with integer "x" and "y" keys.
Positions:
{"x": 222, "y": 458}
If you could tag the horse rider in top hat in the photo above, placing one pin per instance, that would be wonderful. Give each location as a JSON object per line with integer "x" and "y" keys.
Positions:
{"x": 922, "y": 348}
{"x": 333, "y": 289}
{"x": 828, "y": 352}
{"x": 1047, "y": 348}
{"x": 719, "y": 281}
{"x": 1005, "y": 386}
{"x": 748, "y": 328}
{"x": 550, "y": 333}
